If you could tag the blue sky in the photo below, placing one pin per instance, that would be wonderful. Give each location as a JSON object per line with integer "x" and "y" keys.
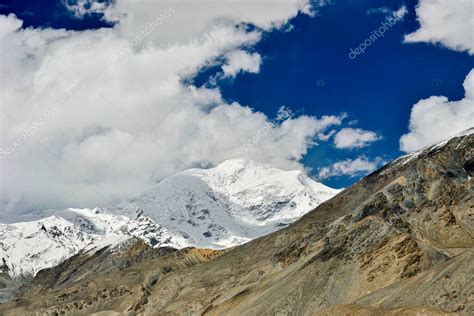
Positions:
{"x": 306, "y": 67}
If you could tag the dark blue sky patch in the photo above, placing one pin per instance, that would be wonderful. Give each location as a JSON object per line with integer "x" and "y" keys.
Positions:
{"x": 54, "y": 14}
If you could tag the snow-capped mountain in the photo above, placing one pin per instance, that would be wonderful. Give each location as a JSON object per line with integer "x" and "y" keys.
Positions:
{"x": 230, "y": 204}
{"x": 46, "y": 238}
{"x": 29, "y": 246}
{"x": 220, "y": 207}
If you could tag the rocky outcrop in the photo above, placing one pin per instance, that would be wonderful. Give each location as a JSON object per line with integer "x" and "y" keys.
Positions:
{"x": 118, "y": 277}
{"x": 400, "y": 241}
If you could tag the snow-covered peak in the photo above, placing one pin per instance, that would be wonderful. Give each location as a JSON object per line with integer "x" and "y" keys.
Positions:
{"x": 228, "y": 205}
{"x": 237, "y": 200}
{"x": 49, "y": 237}
{"x": 238, "y": 175}
{"x": 28, "y": 247}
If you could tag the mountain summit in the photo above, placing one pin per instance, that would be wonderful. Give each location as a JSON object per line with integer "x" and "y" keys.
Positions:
{"x": 228, "y": 205}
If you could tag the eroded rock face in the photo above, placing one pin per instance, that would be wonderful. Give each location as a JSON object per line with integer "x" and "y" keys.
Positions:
{"x": 399, "y": 241}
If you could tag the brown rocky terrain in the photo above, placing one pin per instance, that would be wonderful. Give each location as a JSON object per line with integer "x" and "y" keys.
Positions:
{"x": 399, "y": 242}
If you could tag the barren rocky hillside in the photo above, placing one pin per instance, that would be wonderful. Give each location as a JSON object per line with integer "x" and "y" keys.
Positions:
{"x": 400, "y": 241}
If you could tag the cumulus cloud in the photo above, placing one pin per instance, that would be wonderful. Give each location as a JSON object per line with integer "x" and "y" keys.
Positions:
{"x": 348, "y": 138}
{"x": 239, "y": 60}
{"x": 351, "y": 167}
{"x": 194, "y": 18}
{"x": 448, "y": 23}
{"x": 436, "y": 118}
{"x": 91, "y": 117}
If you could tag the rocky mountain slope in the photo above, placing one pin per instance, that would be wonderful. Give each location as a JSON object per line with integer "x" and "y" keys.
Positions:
{"x": 400, "y": 241}
{"x": 215, "y": 208}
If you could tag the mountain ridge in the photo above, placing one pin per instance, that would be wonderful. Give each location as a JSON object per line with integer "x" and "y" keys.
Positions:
{"x": 399, "y": 241}
{"x": 166, "y": 215}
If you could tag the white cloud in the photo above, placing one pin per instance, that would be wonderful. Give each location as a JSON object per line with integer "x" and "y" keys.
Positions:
{"x": 351, "y": 167}
{"x": 381, "y": 10}
{"x": 348, "y": 138}
{"x": 399, "y": 13}
{"x": 326, "y": 136}
{"x": 449, "y": 23}
{"x": 84, "y": 7}
{"x": 239, "y": 60}
{"x": 436, "y": 118}
{"x": 353, "y": 122}
{"x": 193, "y": 19}
{"x": 91, "y": 117}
